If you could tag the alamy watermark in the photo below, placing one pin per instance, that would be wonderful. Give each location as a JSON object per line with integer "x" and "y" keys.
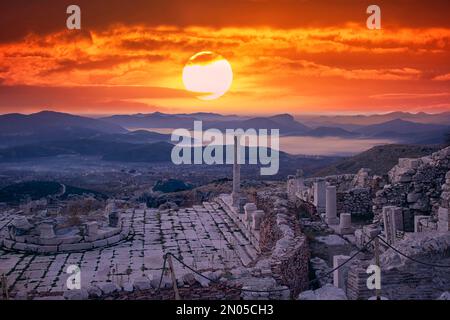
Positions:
{"x": 374, "y": 280}
{"x": 213, "y": 147}
{"x": 73, "y": 282}
{"x": 73, "y": 21}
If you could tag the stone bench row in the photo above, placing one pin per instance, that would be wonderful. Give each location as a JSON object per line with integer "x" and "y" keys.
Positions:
{"x": 62, "y": 248}
{"x": 62, "y": 240}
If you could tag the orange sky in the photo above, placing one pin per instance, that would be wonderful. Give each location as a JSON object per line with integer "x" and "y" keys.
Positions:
{"x": 287, "y": 56}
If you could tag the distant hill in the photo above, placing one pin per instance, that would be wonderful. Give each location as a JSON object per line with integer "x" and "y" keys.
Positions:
{"x": 380, "y": 159}
{"x": 399, "y": 126}
{"x": 15, "y": 123}
{"x": 108, "y": 150}
{"x": 35, "y": 190}
{"x": 407, "y": 132}
{"x": 351, "y": 122}
{"x": 154, "y": 152}
{"x": 137, "y": 137}
{"x": 19, "y": 129}
{"x": 152, "y": 120}
{"x": 331, "y": 132}
{"x": 210, "y": 116}
{"x": 284, "y": 122}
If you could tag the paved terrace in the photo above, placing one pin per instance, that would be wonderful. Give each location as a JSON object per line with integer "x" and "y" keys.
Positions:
{"x": 204, "y": 236}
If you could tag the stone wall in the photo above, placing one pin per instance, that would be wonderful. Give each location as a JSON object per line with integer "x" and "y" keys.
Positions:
{"x": 354, "y": 191}
{"x": 415, "y": 185}
{"x": 402, "y": 278}
{"x": 356, "y": 201}
{"x": 282, "y": 237}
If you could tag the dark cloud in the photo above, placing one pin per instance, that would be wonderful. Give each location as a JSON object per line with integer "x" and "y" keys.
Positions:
{"x": 82, "y": 97}
{"x": 103, "y": 63}
{"x": 21, "y": 17}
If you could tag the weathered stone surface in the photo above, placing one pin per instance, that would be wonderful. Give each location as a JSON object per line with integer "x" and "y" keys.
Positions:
{"x": 142, "y": 283}
{"x": 81, "y": 294}
{"x": 327, "y": 292}
{"x": 94, "y": 292}
{"x": 444, "y": 296}
{"x": 189, "y": 279}
{"x": 109, "y": 288}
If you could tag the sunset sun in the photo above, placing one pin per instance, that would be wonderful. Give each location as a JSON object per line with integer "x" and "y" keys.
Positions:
{"x": 208, "y": 75}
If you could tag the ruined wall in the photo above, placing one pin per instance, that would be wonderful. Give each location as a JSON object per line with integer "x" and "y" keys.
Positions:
{"x": 354, "y": 192}
{"x": 402, "y": 278}
{"x": 281, "y": 235}
{"x": 415, "y": 185}
{"x": 357, "y": 202}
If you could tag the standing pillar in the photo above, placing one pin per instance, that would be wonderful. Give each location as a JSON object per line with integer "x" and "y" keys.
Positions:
{"x": 345, "y": 223}
{"x": 319, "y": 195}
{"x": 393, "y": 222}
{"x": 330, "y": 210}
{"x": 340, "y": 275}
{"x": 236, "y": 174}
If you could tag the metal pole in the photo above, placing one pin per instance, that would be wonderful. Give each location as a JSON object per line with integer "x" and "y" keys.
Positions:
{"x": 5, "y": 287}
{"x": 377, "y": 261}
{"x": 174, "y": 279}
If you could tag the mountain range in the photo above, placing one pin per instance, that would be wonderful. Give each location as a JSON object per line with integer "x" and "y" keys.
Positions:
{"x": 52, "y": 133}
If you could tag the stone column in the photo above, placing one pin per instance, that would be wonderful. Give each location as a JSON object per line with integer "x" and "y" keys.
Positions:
{"x": 340, "y": 275}
{"x": 444, "y": 220}
{"x": 257, "y": 219}
{"x": 236, "y": 174}
{"x": 114, "y": 218}
{"x": 319, "y": 194}
{"x": 393, "y": 221}
{"x": 330, "y": 210}
{"x": 249, "y": 209}
{"x": 345, "y": 223}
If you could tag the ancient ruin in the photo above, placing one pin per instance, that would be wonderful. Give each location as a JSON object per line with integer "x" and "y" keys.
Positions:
{"x": 270, "y": 242}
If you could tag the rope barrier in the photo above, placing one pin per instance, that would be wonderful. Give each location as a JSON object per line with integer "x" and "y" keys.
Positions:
{"x": 344, "y": 263}
{"x": 212, "y": 280}
{"x": 310, "y": 282}
{"x": 254, "y": 290}
{"x": 411, "y": 258}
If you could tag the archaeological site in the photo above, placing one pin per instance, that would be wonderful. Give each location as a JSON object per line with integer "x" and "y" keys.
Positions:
{"x": 321, "y": 238}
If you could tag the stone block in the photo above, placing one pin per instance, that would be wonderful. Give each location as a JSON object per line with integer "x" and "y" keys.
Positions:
{"x": 81, "y": 294}
{"x": 189, "y": 279}
{"x": 345, "y": 224}
{"x": 418, "y": 221}
{"x": 20, "y": 246}
{"x": 412, "y": 197}
{"x": 443, "y": 226}
{"x": 94, "y": 292}
{"x": 75, "y": 246}
{"x": 109, "y": 288}
{"x": 443, "y": 214}
{"x": 8, "y": 243}
{"x": 47, "y": 249}
{"x": 113, "y": 239}
{"x": 257, "y": 219}
{"x": 100, "y": 243}
{"x": 408, "y": 163}
{"x": 70, "y": 239}
{"x": 46, "y": 231}
{"x": 142, "y": 283}
{"x": 91, "y": 228}
{"x": 340, "y": 275}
